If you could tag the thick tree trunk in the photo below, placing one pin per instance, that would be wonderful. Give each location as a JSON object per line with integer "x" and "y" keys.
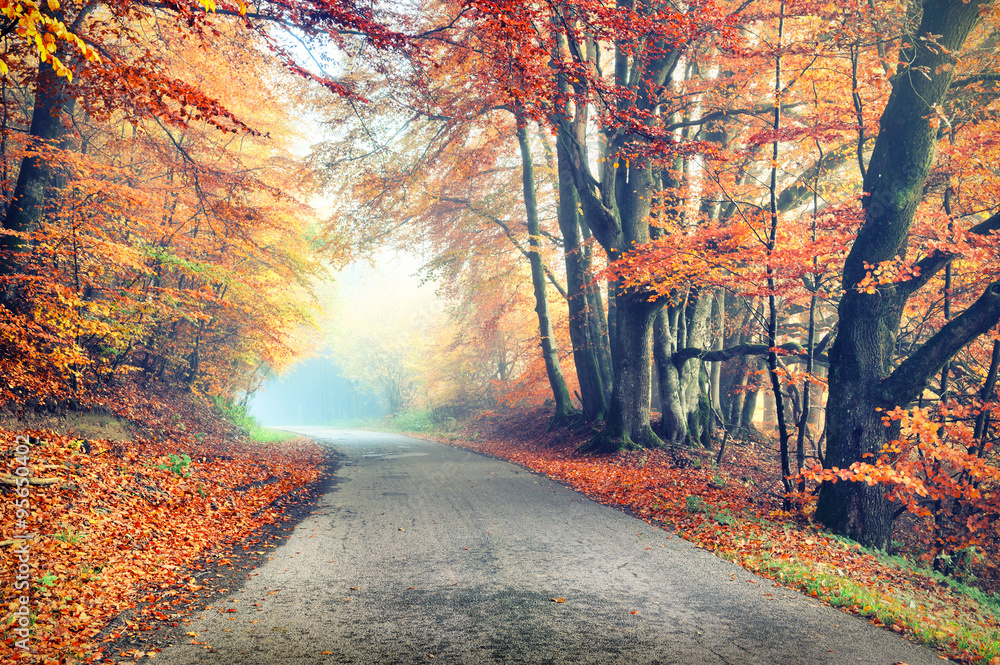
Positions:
{"x": 749, "y": 405}
{"x": 627, "y": 426}
{"x": 588, "y": 325}
{"x": 733, "y": 379}
{"x": 862, "y": 355}
{"x": 616, "y": 208}
{"x": 673, "y": 426}
{"x": 563, "y": 405}
{"x": 27, "y": 202}
{"x": 584, "y": 330}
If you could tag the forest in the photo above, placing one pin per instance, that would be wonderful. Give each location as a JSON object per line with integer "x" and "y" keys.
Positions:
{"x": 657, "y": 219}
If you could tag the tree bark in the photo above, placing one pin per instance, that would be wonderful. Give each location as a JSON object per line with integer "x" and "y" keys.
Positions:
{"x": 673, "y": 426}
{"x": 627, "y": 426}
{"x": 563, "y": 405}
{"x": 617, "y": 211}
{"x": 583, "y": 329}
{"x": 861, "y": 375}
{"x": 695, "y": 397}
{"x": 27, "y": 202}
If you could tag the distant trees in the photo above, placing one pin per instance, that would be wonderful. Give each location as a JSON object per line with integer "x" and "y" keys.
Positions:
{"x": 379, "y": 335}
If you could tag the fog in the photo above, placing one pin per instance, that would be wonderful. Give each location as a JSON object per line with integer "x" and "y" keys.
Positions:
{"x": 375, "y": 316}
{"x": 313, "y": 393}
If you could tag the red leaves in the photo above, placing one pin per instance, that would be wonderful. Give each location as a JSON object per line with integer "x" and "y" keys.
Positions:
{"x": 936, "y": 471}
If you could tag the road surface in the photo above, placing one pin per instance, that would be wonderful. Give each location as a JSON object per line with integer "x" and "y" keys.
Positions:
{"x": 423, "y": 553}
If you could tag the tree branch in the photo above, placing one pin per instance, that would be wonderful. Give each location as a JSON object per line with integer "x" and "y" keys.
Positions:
{"x": 970, "y": 80}
{"x": 908, "y": 380}
{"x": 719, "y": 115}
{"x": 929, "y": 266}
{"x": 527, "y": 254}
{"x": 682, "y": 355}
{"x": 510, "y": 236}
{"x": 795, "y": 193}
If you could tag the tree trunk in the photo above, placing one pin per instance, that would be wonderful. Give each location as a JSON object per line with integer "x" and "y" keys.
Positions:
{"x": 861, "y": 376}
{"x": 693, "y": 390}
{"x": 733, "y": 377}
{"x": 627, "y": 426}
{"x": 673, "y": 426}
{"x": 583, "y": 328}
{"x": 27, "y": 202}
{"x": 715, "y": 371}
{"x": 563, "y": 405}
{"x": 616, "y": 208}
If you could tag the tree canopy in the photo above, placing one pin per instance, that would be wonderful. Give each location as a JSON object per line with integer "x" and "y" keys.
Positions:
{"x": 661, "y": 217}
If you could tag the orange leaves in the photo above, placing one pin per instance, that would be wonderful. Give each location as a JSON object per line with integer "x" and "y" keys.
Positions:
{"x": 41, "y": 30}
{"x": 887, "y": 272}
{"x": 934, "y": 470}
{"x": 707, "y": 255}
{"x": 182, "y": 259}
{"x": 119, "y": 530}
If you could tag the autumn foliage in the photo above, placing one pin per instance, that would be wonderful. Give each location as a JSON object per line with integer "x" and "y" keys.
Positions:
{"x": 782, "y": 201}
{"x": 116, "y": 524}
{"x": 944, "y": 476}
{"x": 165, "y": 248}
{"x": 733, "y": 509}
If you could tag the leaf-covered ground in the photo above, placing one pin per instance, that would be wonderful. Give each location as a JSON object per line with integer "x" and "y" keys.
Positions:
{"x": 130, "y": 531}
{"x": 121, "y": 522}
{"x": 735, "y": 512}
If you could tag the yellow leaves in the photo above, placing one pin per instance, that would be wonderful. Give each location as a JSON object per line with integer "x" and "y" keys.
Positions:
{"x": 242, "y": 7}
{"x": 209, "y": 5}
{"x": 44, "y": 31}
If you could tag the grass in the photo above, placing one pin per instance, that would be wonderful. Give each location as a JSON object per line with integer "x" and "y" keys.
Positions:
{"x": 270, "y": 435}
{"x": 421, "y": 421}
{"x": 740, "y": 519}
{"x": 237, "y": 414}
{"x": 989, "y": 601}
{"x": 900, "y": 611}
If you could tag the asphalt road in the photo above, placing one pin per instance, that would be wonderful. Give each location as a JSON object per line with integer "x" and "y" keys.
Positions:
{"x": 422, "y": 553}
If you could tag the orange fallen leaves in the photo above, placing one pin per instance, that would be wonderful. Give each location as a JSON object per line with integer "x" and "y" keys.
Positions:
{"x": 117, "y": 531}
{"x": 741, "y": 521}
